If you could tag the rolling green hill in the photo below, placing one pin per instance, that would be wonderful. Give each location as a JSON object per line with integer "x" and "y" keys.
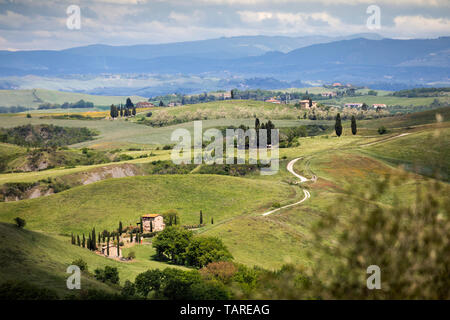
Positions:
{"x": 104, "y": 204}
{"x": 42, "y": 260}
{"x": 32, "y": 98}
{"x": 426, "y": 152}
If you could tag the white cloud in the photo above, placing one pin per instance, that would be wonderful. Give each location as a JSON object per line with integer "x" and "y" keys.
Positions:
{"x": 13, "y": 20}
{"x": 295, "y": 23}
{"x": 419, "y": 25}
{"x": 331, "y": 2}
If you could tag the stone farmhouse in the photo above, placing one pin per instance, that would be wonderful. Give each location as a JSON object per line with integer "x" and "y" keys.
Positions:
{"x": 304, "y": 104}
{"x": 144, "y": 104}
{"x": 156, "y": 220}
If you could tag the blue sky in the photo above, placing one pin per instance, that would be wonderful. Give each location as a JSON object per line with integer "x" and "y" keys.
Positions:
{"x": 28, "y": 24}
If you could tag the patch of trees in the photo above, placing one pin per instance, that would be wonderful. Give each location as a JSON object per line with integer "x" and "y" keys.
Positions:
{"x": 215, "y": 281}
{"x": 421, "y": 92}
{"x": 14, "y": 109}
{"x": 67, "y": 105}
{"x": 126, "y": 110}
{"x": 175, "y": 284}
{"x": 179, "y": 246}
{"x": 236, "y": 170}
{"x": 167, "y": 167}
{"x": 108, "y": 274}
{"x": 73, "y": 117}
{"x": 44, "y": 135}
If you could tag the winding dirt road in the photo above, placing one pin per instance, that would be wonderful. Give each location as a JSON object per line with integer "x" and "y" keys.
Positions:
{"x": 290, "y": 168}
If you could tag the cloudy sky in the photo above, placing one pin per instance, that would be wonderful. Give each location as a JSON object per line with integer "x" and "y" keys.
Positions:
{"x": 42, "y": 24}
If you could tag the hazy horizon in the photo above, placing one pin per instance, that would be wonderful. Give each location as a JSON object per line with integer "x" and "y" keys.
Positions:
{"x": 27, "y": 25}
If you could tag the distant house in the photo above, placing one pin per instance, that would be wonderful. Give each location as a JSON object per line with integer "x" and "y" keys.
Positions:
{"x": 273, "y": 100}
{"x": 156, "y": 220}
{"x": 337, "y": 84}
{"x": 304, "y": 104}
{"x": 173, "y": 104}
{"x": 354, "y": 105}
{"x": 226, "y": 95}
{"x": 378, "y": 105}
{"x": 329, "y": 94}
{"x": 144, "y": 104}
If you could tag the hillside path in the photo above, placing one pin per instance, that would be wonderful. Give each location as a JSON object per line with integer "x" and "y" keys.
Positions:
{"x": 385, "y": 140}
{"x": 290, "y": 168}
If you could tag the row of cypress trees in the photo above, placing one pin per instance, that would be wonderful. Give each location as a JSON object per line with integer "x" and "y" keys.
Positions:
{"x": 338, "y": 125}
{"x": 90, "y": 242}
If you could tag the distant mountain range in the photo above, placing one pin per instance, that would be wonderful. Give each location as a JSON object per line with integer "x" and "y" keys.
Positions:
{"x": 364, "y": 58}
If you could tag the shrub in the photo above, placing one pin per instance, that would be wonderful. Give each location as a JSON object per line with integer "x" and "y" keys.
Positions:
{"x": 81, "y": 264}
{"x": 148, "y": 281}
{"x": 221, "y": 270}
{"x": 129, "y": 289}
{"x": 382, "y": 130}
{"x": 203, "y": 250}
{"x": 171, "y": 243}
{"x": 131, "y": 255}
{"x": 276, "y": 205}
{"x": 109, "y": 274}
{"x": 20, "y": 223}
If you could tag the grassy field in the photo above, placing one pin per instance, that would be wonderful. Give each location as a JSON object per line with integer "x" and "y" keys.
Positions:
{"x": 286, "y": 236}
{"x": 104, "y": 204}
{"x": 119, "y": 133}
{"x": 43, "y": 259}
{"x": 344, "y": 166}
{"x": 388, "y": 100}
{"x": 426, "y": 152}
{"x": 32, "y": 98}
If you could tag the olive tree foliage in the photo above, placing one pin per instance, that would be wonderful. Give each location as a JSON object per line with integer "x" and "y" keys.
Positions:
{"x": 171, "y": 243}
{"x": 409, "y": 242}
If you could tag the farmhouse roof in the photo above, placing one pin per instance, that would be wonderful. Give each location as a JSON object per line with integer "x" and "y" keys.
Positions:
{"x": 151, "y": 215}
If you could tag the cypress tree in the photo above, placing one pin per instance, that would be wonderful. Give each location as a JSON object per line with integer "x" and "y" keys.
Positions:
{"x": 257, "y": 124}
{"x": 142, "y": 226}
{"x": 201, "y": 217}
{"x": 131, "y": 237}
{"x": 118, "y": 249}
{"x": 151, "y": 226}
{"x": 107, "y": 247}
{"x": 120, "y": 227}
{"x": 353, "y": 125}
{"x": 94, "y": 244}
{"x": 84, "y": 241}
{"x": 99, "y": 239}
{"x": 212, "y": 220}
{"x": 338, "y": 125}
{"x": 73, "y": 239}
{"x": 78, "y": 241}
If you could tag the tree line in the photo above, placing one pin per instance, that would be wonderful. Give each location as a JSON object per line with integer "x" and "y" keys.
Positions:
{"x": 126, "y": 110}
